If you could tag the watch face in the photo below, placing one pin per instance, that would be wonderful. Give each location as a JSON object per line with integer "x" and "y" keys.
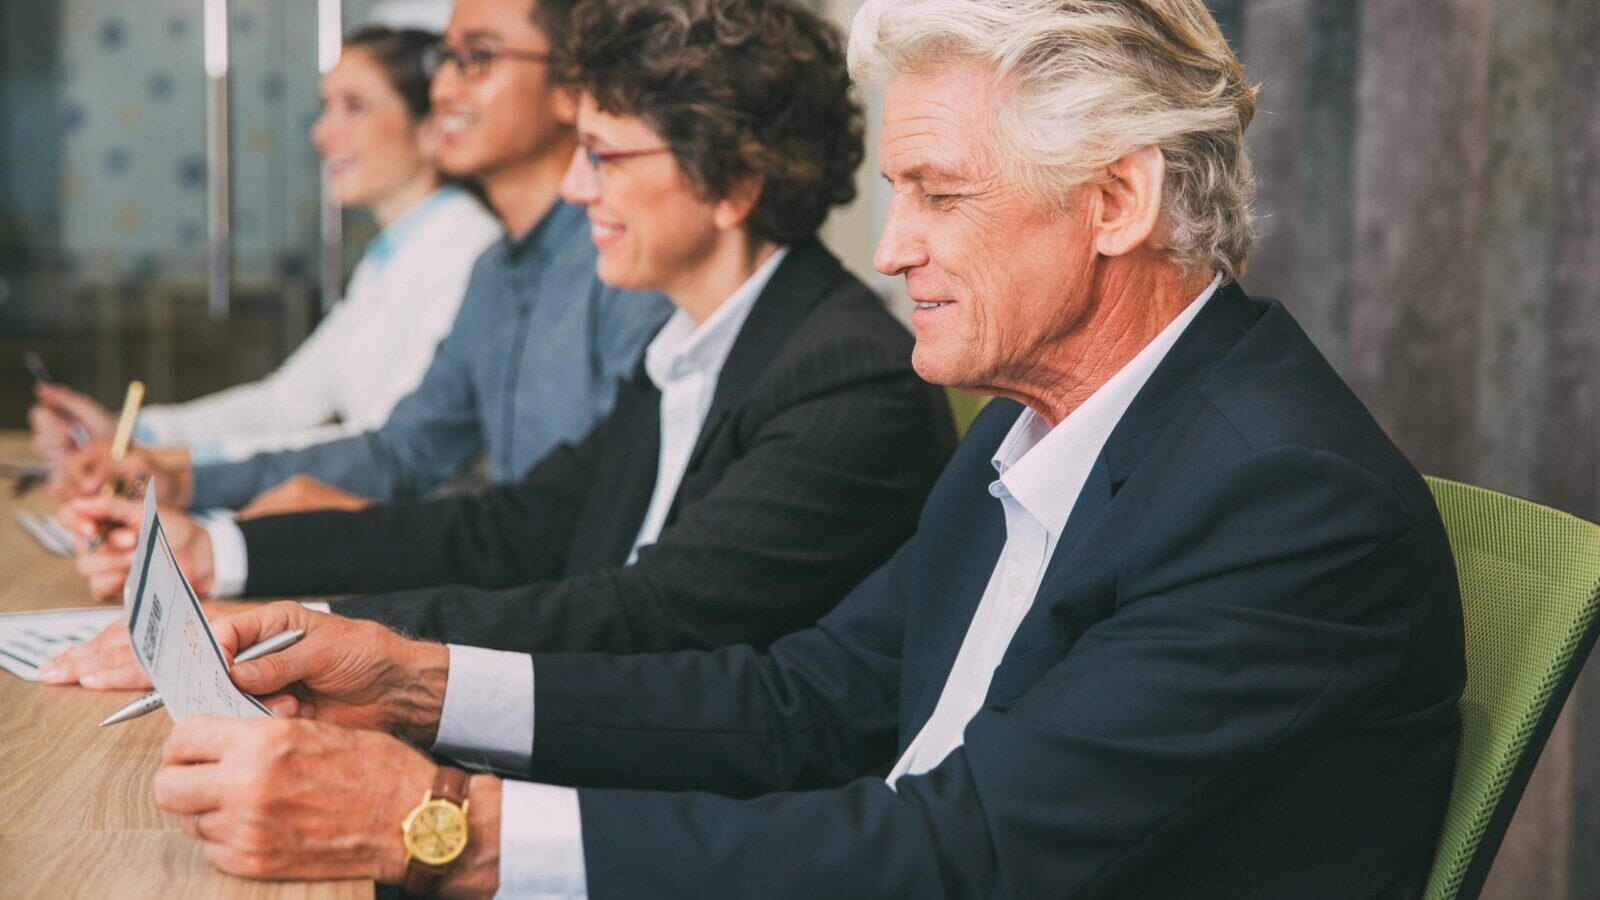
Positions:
{"x": 437, "y": 832}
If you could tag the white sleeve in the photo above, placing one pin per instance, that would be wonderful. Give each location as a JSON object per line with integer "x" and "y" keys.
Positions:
{"x": 301, "y": 393}
{"x": 541, "y": 843}
{"x": 487, "y": 720}
{"x": 230, "y": 562}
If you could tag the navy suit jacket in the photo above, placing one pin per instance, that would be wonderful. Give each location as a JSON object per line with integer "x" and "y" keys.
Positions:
{"x": 1238, "y": 680}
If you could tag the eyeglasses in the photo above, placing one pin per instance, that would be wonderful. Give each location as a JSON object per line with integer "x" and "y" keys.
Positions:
{"x": 599, "y": 158}
{"x": 472, "y": 62}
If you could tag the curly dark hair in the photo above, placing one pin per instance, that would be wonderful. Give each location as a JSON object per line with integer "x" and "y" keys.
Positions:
{"x": 739, "y": 89}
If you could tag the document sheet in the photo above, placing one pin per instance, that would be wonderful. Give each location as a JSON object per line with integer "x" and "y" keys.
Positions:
{"x": 30, "y": 639}
{"x": 171, "y": 638}
{"x": 51, "y": 535}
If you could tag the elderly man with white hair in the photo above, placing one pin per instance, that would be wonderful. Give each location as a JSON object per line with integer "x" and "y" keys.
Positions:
{"x": 1178, "y": 620}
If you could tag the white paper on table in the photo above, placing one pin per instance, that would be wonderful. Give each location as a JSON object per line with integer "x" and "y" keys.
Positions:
{"x": 30, "y": 639}
{"x": 171, "y": 638}
{"x": 51, "y": 535}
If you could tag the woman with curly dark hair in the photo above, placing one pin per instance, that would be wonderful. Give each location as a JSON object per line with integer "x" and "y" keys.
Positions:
{"x": 713, "y": 133}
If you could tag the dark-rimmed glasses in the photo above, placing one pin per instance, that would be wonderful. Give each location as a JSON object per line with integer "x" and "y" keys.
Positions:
{"x": 472, "y": 62}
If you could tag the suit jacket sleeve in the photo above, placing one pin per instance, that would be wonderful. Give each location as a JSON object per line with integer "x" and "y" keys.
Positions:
{"x": 830, "y": 482}
{"x": 1269, "y": 607}
{"x": 510, "y": 534}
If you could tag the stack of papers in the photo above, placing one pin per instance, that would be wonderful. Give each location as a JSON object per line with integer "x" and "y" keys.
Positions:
{"x": 30, "y": 639}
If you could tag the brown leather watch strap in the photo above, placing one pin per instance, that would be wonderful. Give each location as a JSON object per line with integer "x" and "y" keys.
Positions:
{"x": 449, "y": 783}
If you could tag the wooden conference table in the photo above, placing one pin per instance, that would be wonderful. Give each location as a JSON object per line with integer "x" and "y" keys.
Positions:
{"x": 76, "y": 818}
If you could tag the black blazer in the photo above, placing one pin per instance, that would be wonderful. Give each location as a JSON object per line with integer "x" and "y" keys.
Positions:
{"x": 1238, "y": 680}
{"x": 816, "y": 455}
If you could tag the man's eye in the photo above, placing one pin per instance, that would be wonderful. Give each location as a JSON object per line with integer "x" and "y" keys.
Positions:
{"x": 938, "y": 200}
{"x": 479, "y": 57}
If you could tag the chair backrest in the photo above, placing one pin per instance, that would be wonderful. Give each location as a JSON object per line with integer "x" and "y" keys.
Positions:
{"x": 1530, "y": 585}
{"x": 964, "y": 407}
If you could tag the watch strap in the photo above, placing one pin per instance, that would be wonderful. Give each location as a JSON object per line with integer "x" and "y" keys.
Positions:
{"x": 449, "y": 783}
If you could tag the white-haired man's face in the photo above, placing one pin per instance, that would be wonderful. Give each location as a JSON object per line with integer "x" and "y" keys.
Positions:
{"x": 1001, "y": 281}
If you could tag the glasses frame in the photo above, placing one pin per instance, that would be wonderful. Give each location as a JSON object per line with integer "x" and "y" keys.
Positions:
{"x": 473, "y": 61}
{"x": 599, "y": 158}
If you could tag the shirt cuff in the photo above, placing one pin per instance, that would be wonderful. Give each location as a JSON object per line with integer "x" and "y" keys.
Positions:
{"x": 541, "y": 843}
{"x": 487, "y": 720}
{"x": 230, "y": 562}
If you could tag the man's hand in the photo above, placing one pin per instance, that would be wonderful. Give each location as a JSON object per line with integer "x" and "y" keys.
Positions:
{"x": 85, "y": 472}
{"x": 106, "y": 566}
{"x": 302, "y": 493}
{"x": 346, "y": 671}
{"x": 57, "y": 410}
{"x": 288, "y": 799}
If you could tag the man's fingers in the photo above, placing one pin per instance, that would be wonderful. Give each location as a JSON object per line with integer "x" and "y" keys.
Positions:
{"x": 204, "y": 739}
{"x": 283, "y": 706}
{"x": 252, "y": 626}
{"x": 188, "y": 789}
{"x": 273, "y": 672}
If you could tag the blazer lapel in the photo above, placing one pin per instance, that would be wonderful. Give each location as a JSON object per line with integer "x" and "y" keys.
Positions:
{"x": 798, "y": 284}
{"x": 628, "y": 477}
{"x": 1226, "y": 318}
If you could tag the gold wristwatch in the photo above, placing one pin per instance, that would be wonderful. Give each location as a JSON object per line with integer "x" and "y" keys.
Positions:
{"x": 436, "y": 831}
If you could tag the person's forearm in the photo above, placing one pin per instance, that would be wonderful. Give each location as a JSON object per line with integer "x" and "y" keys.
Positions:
{"x": 417, "y": 702}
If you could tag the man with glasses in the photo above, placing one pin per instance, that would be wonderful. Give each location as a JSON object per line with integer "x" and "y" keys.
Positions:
{"x": 538, "y": 346}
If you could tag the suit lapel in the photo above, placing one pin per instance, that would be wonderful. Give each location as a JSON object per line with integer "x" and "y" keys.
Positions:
{"x": 1173, "y": 385}
{"x": 628, "y": 478}
{"x": 797, "y": 286}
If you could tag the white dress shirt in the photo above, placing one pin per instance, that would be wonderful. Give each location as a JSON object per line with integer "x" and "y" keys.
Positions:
{"x": 684, "y": 360}
{"x": 369, "y": 352}
{"x": 1042, "y": 470}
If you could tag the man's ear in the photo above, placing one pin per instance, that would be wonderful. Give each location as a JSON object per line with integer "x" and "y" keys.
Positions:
{"x": 731, "y": 211}
{"x": 1129, "y": 202}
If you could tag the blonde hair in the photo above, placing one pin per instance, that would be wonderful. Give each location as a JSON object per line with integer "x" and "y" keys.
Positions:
{"x": 1087, "y": 82}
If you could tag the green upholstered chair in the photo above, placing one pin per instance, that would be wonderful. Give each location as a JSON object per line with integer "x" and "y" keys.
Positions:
{"x": 1530, "y": 579}
{"x": 964, "y": 407}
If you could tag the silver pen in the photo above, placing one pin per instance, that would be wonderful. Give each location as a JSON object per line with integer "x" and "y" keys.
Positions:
{"x": 152, "y": 701}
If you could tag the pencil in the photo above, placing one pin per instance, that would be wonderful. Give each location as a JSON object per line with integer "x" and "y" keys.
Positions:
{"x": 119, "y": 446}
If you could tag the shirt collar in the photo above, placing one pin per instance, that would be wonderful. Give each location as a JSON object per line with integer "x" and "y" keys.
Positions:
{"x": 682, "y": 347}
{"x": 1044, "y": 468}
{"x": 558, "y": 224}
{"x": 382, "y": 247}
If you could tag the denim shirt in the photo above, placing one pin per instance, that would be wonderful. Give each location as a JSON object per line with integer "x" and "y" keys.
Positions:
{"x": 531, "y": 362}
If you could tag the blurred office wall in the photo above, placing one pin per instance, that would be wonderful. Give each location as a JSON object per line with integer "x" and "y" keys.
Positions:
{"x": 1430, "y": 193}
{"x": 103, "y": 170}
